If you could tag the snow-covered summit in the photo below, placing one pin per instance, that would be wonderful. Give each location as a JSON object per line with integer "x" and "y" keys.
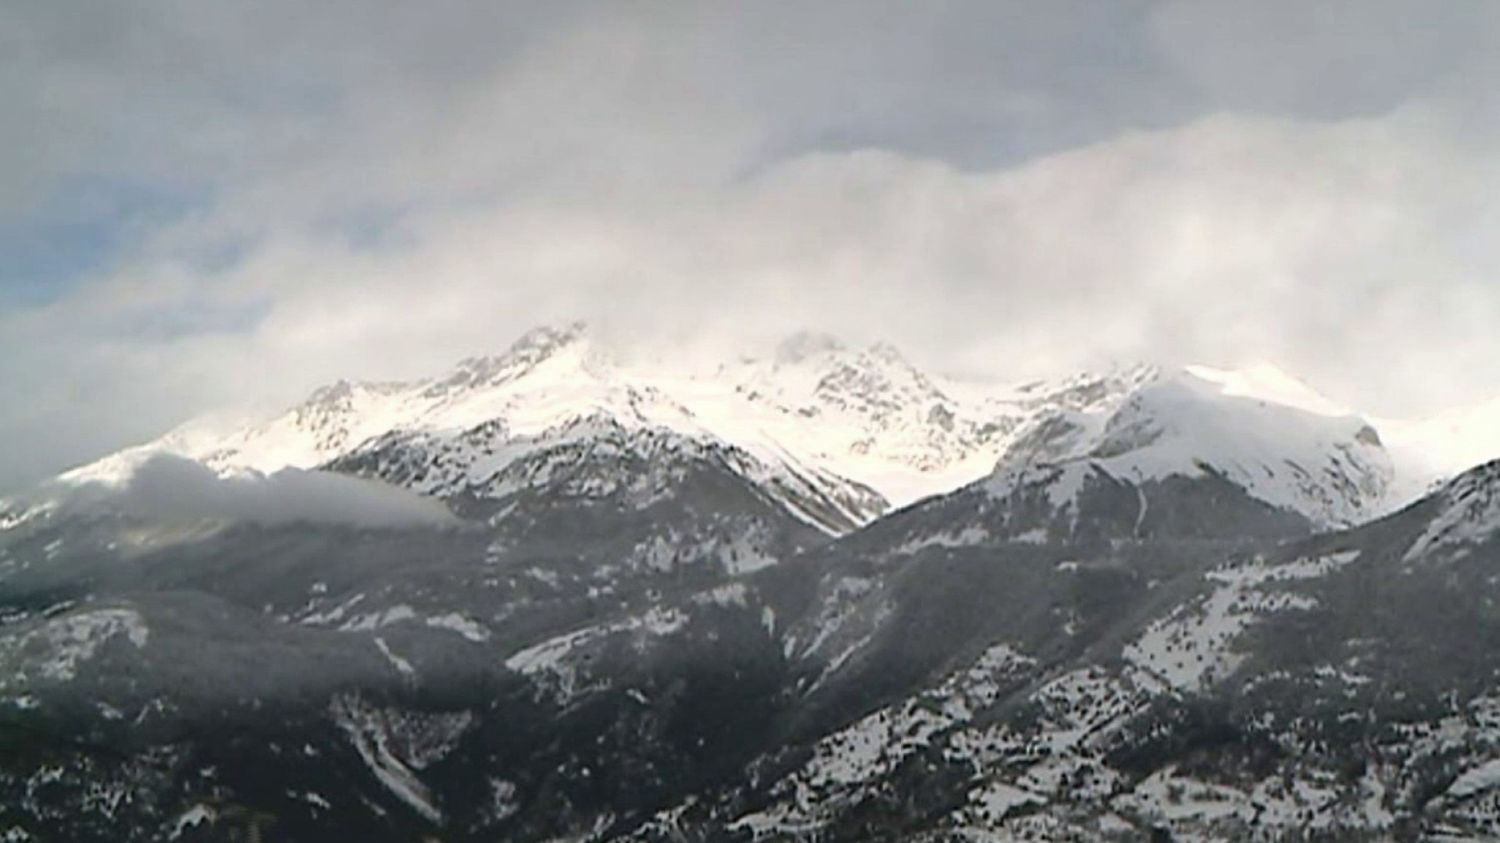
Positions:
{"x": 1280, "y": 444}
{"x": 814, "y": 407}
{"x": 867, "y": 413}
{"x": 559, "y": 347}
{"x": 1268, "y": 383}
{"x": 853, "y": 419}
{"x": 814, "y": 414}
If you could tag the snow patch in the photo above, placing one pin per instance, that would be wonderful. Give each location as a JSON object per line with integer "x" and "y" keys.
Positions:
{"x": 395, "y": 744}
{"x": 402, "y": 665}
{"x": 380, "y": 619}
{"x": 59, "y": 646}
{"x": 1193, "y": 647}
{"x": 1475, "y": 780}
{"x": 550, "y": 663}
{"x": 461, "y": 624}
{"x": 191, "y": 818}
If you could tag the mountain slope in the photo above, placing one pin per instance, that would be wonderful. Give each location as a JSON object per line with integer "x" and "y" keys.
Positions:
{"x": 658, "y": 613}
{"x": 1340, "y": 687}
{"x": 837, "y": 432}
{"x": 863, "y": 429}
{"x": 1332, "y": 470}
{"x": 858, "y": 429}
{"x": 552, "y": 388}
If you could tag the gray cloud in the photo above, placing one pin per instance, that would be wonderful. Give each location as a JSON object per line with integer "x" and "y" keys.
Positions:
{"x": 1337, "y": 58}
{"x": 172, "y": 487}
{"x": 376, "y": 189}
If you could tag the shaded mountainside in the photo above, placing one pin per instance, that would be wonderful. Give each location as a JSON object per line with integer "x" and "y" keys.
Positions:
{"x": 1336, "y": 687}
{"x": 189, "y": 676}
{"x": 392, "y": 684}
{"x": 482, "y": 471}
{"x": 1145, "y": 605}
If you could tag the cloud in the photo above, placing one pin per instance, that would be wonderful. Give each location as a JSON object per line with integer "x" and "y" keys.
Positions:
{"x": 172, "y": 487}
{"x": 1336, "y": 58}
{"x": 1009, "y": 188}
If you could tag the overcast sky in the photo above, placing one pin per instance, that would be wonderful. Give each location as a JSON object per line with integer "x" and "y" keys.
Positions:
{"x": 210, "y": 203}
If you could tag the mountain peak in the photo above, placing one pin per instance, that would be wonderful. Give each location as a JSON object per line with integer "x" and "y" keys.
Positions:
{"x": 1268, "y": 382}
{"x": 339, "y": 390}
{"x": 1256, "y": 431}
{"x": 866, "y": 414}
{"x": 544, "y": 340}
{"x": 528, "y": 351}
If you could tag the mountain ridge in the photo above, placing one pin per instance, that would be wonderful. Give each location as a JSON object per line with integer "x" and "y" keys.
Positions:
{"x": 855, "y": 422}
{"x": 1143, "y": 620}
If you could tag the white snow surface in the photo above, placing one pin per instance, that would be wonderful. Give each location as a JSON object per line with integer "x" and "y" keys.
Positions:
{"x": 815, "y": 413}
{"x": 402, "y": 665}
{"x": 554, "y": 665}
{"x": 1264, "y": 432}
{"x": 191, "y": 818}
{"x": 841, "y": 422}
{"x": 1468, "y": 514}
{"x": 846, "y": 762}
{"x": 396, "y": 745}
{"x": 461, "y": 624}
{"x": 1194, "y": 647}
{"x": 55, "y": 650}
{"x": 1484, "y": 777}
{"x": 817, "y": 410}
{"x": 1265, "y": 382}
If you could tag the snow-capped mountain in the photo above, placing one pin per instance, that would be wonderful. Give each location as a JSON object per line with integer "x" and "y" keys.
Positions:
{"x": 858, "y": 428}
{"x": 868, "y": 414}
{"x": 553, "y": 387}
{"x": 852, "y": 429}
{"x": 1330, "y": 688}
{"x": 1196, "y": 422}
{"x": 1107, "y": 612}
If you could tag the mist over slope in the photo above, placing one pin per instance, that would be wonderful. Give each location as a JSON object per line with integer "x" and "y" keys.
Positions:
{"x": 815, "y": 595}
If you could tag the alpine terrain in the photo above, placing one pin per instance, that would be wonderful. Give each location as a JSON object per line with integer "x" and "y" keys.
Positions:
{"x": 814, "y": 594}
